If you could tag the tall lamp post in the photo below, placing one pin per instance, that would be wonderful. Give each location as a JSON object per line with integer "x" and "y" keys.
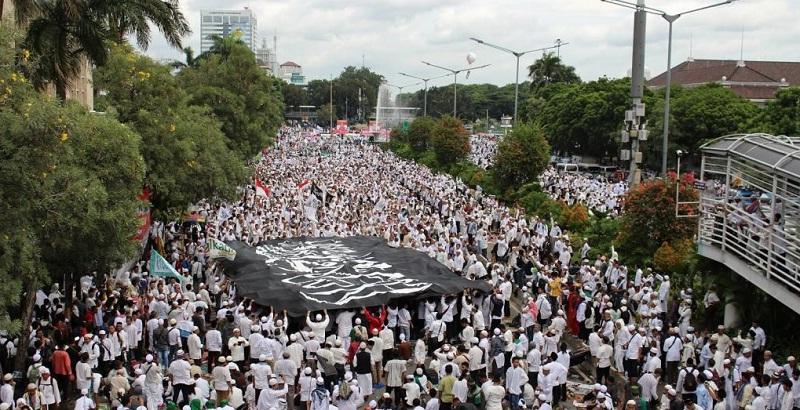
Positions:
{"x": 455, "y": 78}
{"x": 670, "y": 18}
{"x": 399, "y": 93}
{"x": 517, "y": 55}
{"x": 425, "y": 98}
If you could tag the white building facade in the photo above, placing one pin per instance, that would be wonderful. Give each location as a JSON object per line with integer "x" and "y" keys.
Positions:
{"x": 226, "y": 22}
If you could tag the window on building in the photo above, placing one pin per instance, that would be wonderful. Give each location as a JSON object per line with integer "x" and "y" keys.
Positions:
{"x": 234, "y": 19}
{"x": 225, "y": 19}
{"x": 244, "y": 19}
{"x": 217, "y": 19}
{"x": 206, "y": 19}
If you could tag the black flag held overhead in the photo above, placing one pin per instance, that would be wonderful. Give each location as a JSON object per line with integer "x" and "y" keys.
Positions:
{"x": 314, "y": 273}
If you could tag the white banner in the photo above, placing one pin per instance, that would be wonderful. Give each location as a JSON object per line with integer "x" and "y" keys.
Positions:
{"x": 218, "y": 249}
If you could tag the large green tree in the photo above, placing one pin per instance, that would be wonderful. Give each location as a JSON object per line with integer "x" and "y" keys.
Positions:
{"x": 240, "y": 94}
{"x": 293, "y": 96}
{"x": 346, "y": 92}
{"x": 419, "y": 133}
{"x": 781, "y": 116}
{"x": 585, "y": 118}
{"x": 186, "y": 154}
{"x": 449, "y": 140}
{"x": 649, "y": 219}
{"x": 521, "y": 156}
{"x": 697, "y": 115}
{"x": 69, "y": 181}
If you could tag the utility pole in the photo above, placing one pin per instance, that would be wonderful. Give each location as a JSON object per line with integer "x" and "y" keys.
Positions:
{"x": 636, "y": 127}
{"x": 639, "y": 133}
{"x": 331, "y": 124}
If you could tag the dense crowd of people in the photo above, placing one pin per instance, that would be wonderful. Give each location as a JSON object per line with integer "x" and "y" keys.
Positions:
{"x": 483, "y": 148}
{"x": 137, "y": 341}
{"x": 596, "y": 193}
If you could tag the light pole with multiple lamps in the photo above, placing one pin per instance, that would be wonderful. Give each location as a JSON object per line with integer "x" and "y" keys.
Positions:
{"x": 425, "y": 97}
{"x": 455, "y": 78}
{"x": 670, "y": 18}
{"x": 517, "y": 55}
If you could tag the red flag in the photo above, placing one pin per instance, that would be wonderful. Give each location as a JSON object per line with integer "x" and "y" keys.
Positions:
{"x": 261, "y": 189}
{"x": 303, "y": 184}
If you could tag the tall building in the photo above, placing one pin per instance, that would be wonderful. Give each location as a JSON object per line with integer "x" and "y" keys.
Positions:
{"x": 265, "y": 57}
{"x": 224, "y": 23}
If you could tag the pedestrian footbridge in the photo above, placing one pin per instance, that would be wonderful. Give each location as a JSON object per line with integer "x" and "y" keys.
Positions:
{"x": 750, "y": 211}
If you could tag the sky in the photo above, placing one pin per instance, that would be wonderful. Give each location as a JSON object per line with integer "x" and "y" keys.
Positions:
{"x": 324, "y": 36}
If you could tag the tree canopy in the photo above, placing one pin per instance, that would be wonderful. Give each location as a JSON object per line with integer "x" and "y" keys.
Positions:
{"x": 69, "y": 180}
{"x": 449, "y": 140}
{"x": 64, "y": 34}
{"x": 185, "y": 151}
{"x": 781, "y": 116}
{"x": 584, "y": 118}
{"x": 649, "y": 219}
{"x": 419, "y": 133}
{"x": 241, "y": 96}
{"x": 549, "y": 69}
{"x": 521, "y": 156}
{"x": 346, "y": 93}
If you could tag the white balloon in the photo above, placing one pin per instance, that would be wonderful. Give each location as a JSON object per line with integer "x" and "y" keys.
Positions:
{"x": 471, "y": 57}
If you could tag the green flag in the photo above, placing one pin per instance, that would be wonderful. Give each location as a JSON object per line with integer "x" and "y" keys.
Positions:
{"x": 160, "y": 267}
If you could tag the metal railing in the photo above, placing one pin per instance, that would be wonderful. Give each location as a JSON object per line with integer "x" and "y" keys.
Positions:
{"x": 765, "y": 247}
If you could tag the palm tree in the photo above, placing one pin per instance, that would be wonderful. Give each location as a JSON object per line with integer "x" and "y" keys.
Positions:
{"x": 223, "y": 46}
{"x": 190, "y": 61}
{"x": 133, "y": 17}
{"x": 60, "y": 36}
{"x": 549, "y": 69}
{"x": 62, "y": 33}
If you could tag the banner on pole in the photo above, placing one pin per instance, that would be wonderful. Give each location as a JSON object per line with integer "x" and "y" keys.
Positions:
{"x": 218, "y": 249}
{"x": 161, "y": 268}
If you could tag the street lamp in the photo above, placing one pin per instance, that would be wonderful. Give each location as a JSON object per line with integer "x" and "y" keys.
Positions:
{"x": 670, "y": 18}
{"x": 517, "y": 54}
{"x": 455, "y": 78}
{"x": 399, "y": 93}
{"x": 425, "y": 98}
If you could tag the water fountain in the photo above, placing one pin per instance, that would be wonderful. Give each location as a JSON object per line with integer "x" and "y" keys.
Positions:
{"x": 388, "y": 113}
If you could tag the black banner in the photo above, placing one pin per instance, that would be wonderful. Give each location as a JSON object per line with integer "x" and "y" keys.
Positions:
{"x": 314, "y": 273}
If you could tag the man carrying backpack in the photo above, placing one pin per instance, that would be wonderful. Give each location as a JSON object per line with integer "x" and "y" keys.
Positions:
{"x": 687, "y": 381}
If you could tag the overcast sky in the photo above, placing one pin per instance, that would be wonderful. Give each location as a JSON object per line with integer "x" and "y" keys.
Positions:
{"x": 324, "y": 36}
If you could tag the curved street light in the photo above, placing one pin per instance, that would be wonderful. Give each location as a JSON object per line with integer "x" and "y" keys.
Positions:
{"x": 517, "y": 55}
{"x": 670, "y": 18}
{"x": 425, "y": 98}
{"x": 455, "y": 78}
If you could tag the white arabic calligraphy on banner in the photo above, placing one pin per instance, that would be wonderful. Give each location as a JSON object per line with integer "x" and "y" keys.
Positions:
{"x": 318, "y": 271}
